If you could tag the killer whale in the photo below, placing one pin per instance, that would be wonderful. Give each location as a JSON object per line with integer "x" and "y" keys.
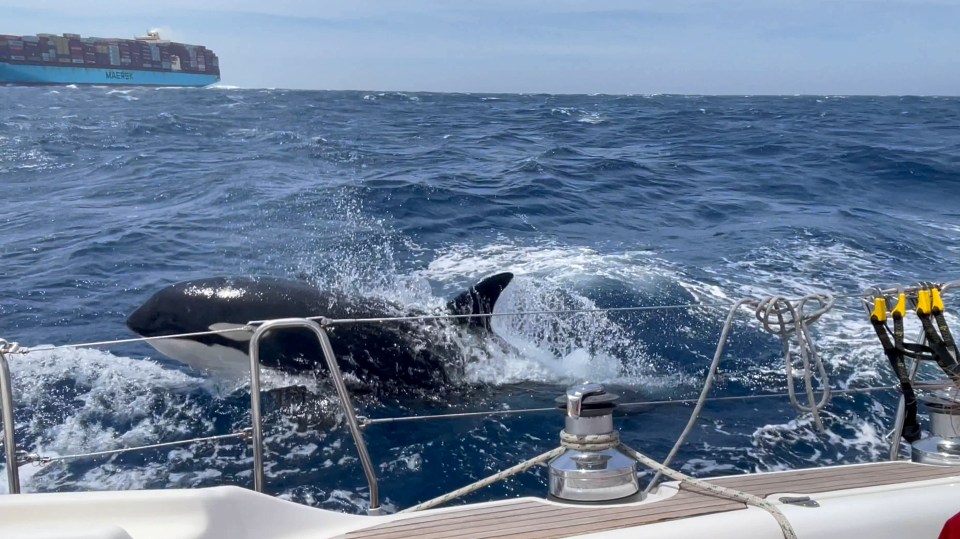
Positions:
{"x": 409, "y": 352}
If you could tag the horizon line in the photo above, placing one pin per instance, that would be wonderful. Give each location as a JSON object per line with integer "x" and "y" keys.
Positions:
{"x": 591, "y": 94}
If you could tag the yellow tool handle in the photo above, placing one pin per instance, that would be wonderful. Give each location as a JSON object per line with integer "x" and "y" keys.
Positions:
{"x": 924, "y": 305}
{"x": 879, "y": 310}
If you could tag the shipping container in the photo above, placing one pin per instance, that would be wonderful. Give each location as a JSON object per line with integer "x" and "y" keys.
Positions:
{"x": 133, "y": 54}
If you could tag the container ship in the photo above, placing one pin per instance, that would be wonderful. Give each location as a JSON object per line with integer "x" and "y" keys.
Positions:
{"x": 71, "y": 59}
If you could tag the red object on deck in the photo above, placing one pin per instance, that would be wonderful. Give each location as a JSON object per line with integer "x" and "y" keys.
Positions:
{"x": 951, "y": 530}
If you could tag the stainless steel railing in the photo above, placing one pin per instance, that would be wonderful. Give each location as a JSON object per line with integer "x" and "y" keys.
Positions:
{"x": 316, "y": 324}
{"x": 9, "y": 438}
{"x": 345, "y": 401}
{"x": 10, "y": 443}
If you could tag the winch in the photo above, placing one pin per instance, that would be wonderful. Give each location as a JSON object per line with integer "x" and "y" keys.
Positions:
{"x": 584, "y": 474}
{"x": 943, "y": 445}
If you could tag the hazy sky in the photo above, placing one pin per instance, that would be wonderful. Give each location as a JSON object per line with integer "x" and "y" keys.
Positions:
{"x": 557, "y": 46}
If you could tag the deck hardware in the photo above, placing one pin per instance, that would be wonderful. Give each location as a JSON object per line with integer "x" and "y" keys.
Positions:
{"x": 799, "y": 501}
{"x": 589, "y": 471}
{"x": 6, "y": 410}
{"x": 335, "y": 376}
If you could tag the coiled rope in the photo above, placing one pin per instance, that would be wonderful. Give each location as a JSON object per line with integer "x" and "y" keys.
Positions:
{"x": 765, "y": 311}
{"x": 786, "y": 318}
{"x": 7, "y": 347}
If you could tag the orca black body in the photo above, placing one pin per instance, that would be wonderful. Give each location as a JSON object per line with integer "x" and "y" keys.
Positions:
{"x": 411, "y": 352}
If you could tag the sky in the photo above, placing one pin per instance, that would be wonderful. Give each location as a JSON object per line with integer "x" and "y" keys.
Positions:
{"x": 741, "y": 47}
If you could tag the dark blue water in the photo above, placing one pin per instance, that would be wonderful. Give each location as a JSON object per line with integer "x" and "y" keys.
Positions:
{"x": 593, "y": 201}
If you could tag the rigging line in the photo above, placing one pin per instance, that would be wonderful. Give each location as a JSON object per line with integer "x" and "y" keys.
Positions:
{"x": 331, "y": 322}
{"x": 341, "y": 321}
{"x": 25, "y": 350}
{"x": 366, "y": 421}
{"x": 45, "y": 460}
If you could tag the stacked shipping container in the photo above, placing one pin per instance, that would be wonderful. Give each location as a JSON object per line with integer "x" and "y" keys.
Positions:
{"x": 72, "y": 50}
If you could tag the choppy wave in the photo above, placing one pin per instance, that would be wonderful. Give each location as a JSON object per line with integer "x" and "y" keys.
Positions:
{"x": 594, "y": 202}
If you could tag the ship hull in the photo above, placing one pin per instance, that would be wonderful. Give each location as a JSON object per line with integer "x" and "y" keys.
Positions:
{"x": 38, "y": 75}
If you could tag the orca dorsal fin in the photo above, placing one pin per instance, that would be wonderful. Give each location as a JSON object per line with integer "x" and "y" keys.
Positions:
{"x": 480, "y": 299}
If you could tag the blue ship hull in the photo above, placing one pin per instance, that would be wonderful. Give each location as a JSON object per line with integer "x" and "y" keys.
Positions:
{"x": 34, "y": 74}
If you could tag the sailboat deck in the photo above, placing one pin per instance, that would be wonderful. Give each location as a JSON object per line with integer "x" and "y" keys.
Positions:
{"x": 536, "y": 519}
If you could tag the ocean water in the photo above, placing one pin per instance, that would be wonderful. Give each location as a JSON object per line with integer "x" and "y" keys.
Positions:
{"x": 593, "y": 202}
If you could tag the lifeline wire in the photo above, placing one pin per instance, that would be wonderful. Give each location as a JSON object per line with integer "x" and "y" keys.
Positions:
{"x": 251, "y": 326}
{"x": 367, "y": 422}
{"x": 765, "y": 311}
{"x": 15, "y": 348}
{"x": 33, "y": 458}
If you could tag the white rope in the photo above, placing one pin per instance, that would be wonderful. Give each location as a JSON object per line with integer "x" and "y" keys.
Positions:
{"x": 707, "y": 386}
{"x": 765, "y": 310}
{"x": 589, "y": 442}
{"x": 716, "y": 490}
{"x": 568, "y": 441}
{"x": 601, "y": 442}
{"x": 473, "y": 487}
{"x": 7, "y": 348}
{"x": 791, "y": 320}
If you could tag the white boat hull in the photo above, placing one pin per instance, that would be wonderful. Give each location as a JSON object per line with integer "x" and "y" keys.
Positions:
{"x": 895, "y": 511}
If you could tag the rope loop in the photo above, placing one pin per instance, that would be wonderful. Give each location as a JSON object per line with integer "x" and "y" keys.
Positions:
{"x": 772, "y": 313}
{"x": 7, "y": 347}
{"x": 24, "y": 457}
{"x": 589, "y": 442}
{"x": 784, "y": 318}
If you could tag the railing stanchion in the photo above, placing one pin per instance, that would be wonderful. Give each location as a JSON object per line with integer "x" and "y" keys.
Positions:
{"x": 335, "y": 375}
{"x": 351, "y": 415}
{"x": 9, "y": 436}
{"x": 255, "y": 413}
